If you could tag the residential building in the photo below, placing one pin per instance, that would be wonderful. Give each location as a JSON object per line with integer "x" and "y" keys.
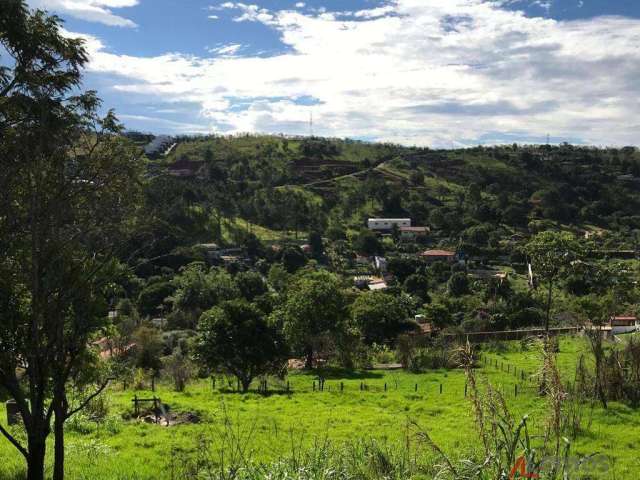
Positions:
{"x": 387, "y": 224}
{"x": 438, "y": 256}
{"x": 624, "y": 324}
{"x": 159, "y": 146}
{"x": 413, "y": 233}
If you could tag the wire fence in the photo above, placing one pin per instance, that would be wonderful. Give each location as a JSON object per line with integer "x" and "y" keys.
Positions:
{"x": 523, "y": 383}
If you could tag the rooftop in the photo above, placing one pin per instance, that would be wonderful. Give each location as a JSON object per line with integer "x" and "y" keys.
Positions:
{"x": 437, "y": 253}
{"x": 389, "y": 219}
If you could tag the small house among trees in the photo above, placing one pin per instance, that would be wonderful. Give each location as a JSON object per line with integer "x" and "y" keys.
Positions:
{"x": 158, "y": 146}
{"x": 438, "y": 256}
{"x": 387, "y": 224}
{"x": 624, "y": 324}
{"x": 413, "y": 233}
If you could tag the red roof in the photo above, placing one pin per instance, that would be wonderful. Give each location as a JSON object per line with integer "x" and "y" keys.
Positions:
{"x": 437, "y": 253}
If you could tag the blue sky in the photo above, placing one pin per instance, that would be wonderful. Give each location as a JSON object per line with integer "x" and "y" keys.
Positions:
{"x": 425, "y": 72}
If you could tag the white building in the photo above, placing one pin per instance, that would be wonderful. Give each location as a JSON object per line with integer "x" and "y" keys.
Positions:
{"x": 384, "y": 224}
{"x": 624, "y": 324}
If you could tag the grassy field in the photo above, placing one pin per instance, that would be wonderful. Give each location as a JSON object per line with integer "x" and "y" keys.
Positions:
{"x": 271, "y": 426}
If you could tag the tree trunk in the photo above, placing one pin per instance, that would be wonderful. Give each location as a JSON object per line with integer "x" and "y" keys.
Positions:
{"x": 35, "y": 462}
{"x": 58, "y": 433}
{"x": 246, "y": 382}
{"x": 308, "y": 365}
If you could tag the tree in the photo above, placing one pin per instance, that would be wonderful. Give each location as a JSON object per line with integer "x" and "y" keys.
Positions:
{"x": 237, "y": 337}
{"x": 180, "y": 368}
{"x": 597, "y": 311}
{"x": 416, "y": 178}
{"x": 551, "y": 254}
{"x": 380, "y": 317}
{"x": 458, "y": 284}
{"x": 315, "y": 306}
{"x": 198, "y": 290}
{"x": 251, "y": 285}
{"x": 402, "y": 268}
{"x": 278, "y": 277}
{"x": 70, "y": 187}
{"x": 148, "y": 348}
{"x": 152, "y": 297}
{"x": 438, "y": 315}
{"x": 317, "y": 246}
{"x": 293, "y": 259}
{"x": 367, "y": 243}
{"x": 418, "y": 285}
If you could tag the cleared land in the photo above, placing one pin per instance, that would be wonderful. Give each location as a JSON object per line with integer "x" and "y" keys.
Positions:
{"x": 272, "y": 426}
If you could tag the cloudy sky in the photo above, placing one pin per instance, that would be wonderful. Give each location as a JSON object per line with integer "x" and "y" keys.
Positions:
{"x": 425, "y": 72}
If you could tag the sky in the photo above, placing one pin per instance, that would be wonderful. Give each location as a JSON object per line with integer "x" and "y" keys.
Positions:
{"x": 436, "y": 73}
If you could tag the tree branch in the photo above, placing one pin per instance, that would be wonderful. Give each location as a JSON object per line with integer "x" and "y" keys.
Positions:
{"x": 89, "y": 398}
{"x": 14, "y": 442}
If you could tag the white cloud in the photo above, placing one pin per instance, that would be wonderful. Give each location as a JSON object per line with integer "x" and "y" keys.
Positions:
{"x": 179, "y": 127}
{"x": 89, "y": 10}
{"x": 301, "y": 5}
{"x": 226, "y": 50}
{"x": 422, "y": 72}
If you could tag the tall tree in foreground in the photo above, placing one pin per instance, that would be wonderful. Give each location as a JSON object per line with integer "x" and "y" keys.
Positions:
{"x": 67, "y": 188}
{"x": 552, "y": 254}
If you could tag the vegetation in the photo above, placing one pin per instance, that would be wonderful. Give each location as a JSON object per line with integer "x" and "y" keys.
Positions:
{"x": 244, "y": 292}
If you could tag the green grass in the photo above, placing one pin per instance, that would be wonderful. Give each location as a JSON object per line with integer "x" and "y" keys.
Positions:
{"x": 268, "y": 426}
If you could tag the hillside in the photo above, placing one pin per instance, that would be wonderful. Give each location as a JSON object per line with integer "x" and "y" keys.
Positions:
{"x": 290, "y": 184}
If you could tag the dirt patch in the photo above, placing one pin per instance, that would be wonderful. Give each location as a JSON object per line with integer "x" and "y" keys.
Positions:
{"x": 172, "y": 419}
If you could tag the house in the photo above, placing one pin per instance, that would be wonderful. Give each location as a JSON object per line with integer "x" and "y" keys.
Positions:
{"x": 377, "y": 284}
{"x": 185, "y": 168}
{"x": 624, "y": 324}
{"x": 362, "y": 281}
{"x": 412, "y": 233}
{"x": 211, "y": 251}
{"x": 438, "y": 256}
{"x": 387, "y": 224}
{"x": 160, "y": 145}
